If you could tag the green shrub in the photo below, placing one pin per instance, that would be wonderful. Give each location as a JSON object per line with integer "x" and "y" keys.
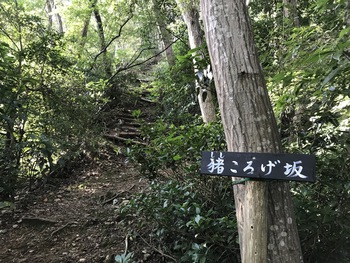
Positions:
{"x": 190, "y": 216}
{"x": 46, "y": 106}
{"x": 175, "y": 151}
{"x": 323, "y": 209}
{"x": 185, "y": 223}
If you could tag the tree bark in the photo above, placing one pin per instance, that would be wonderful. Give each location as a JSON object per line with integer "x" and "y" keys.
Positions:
{"x": 347, "y": 13}
{"x": 205, "y": 96}
{"x": 60, "y": 23}
{"x": 52, "y": 13}
{"x": 266, "y": 223}
{"x": 84, "y": 31}
{"x": 290, "y": 11}
{"x": 49, "y": 13}
{"x": 85, "y": 28}
{"x": 165, "y": 35}
{"x": 101, "y": 34}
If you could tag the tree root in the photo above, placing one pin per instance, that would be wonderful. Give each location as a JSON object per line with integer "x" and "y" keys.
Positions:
{"x": 62, "y": 227}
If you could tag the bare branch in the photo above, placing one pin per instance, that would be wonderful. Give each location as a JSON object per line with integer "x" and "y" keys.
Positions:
{"x": 157, "y": 250}
{"x": 131, "y": 65}
{"x": 10, "y": 38}
{"x": 114, "y": 38}
{"x": 135, "y": 57}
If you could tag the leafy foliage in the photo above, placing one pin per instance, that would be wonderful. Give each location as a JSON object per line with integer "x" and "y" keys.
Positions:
{"x": 205, "y": 227}
{"x": 176, "y": 90}
{"x": 124, "y": 258}
{"x": 307, "y": 69}
{"x": 185, "y": 223}
{"x": 176, "y": 149}
{"x": 45, "y": 106}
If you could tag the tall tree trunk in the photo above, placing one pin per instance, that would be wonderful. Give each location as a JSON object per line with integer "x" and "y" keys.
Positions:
{"x": 250, "y": 126}
{"x": 59, "y": 23}
{"x": 49, "y": 13}
{"x": 54, "y": 15}
{"x": 101, "y": 34}
{"x": 190, "y": 15}
{"x": 347, "y": 13}
{"x": 85, "y": 30}
{"x": 290, "y": 11}
{"x": 165, "y": 35}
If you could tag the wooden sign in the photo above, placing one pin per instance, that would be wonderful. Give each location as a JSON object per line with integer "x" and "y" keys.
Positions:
{"x": 291, "y": 167}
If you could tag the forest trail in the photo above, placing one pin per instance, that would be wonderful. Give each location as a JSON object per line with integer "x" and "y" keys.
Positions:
{"x": 75, "y": 219}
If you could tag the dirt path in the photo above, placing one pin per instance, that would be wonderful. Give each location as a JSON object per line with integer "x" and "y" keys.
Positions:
{"x": 76, "y": 222}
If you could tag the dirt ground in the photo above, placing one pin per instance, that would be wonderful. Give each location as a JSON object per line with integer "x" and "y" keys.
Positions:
{"x": 76, "y": 219}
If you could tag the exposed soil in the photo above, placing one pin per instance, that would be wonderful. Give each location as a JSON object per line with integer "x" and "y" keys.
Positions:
{"x": 76, "y": 219}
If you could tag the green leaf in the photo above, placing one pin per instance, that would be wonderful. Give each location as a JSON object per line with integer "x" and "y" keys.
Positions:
{"x": 165, "y": 204}
{"x": 6, "y": 204}
{"x": 177, "y": 138}
{"x": 343, "y": 33}
{"x": 195, "y": 246}
{"x": 278, "y": 77}
{"x": 330, "y": 76}
{"x": 197, "y": 219}
{"x": 177, "y": 157}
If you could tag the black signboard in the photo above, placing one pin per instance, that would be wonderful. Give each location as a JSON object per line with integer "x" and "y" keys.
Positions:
{"x": 291, "y": 167}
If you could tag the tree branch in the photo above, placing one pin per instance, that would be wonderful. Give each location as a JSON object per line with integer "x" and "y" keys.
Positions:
{"x": 114, "y": 38}
{"x": 130, "y": 65}
{"x": 135, "y": 57}
{"x": 10, "y": 38}
{"x": 157, "y": 250}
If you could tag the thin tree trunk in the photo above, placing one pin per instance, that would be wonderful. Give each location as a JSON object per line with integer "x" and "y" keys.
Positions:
{"x": 347, "y": 13}
{"x": 59, "y": 23}
{"x": 84, "y": 31}
{"x": 165, "y": 35}
{"x": 49, "y": 13}
{"x": 101, "y": 34}
{"x": 52, "y": 13}
{"x": 267, "y": 227}
{"x": 190, "y": 15}
{"x": 290, "y": 11}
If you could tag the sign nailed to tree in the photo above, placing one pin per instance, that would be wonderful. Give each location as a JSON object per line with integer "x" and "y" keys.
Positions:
{"x": 293, "y": 167}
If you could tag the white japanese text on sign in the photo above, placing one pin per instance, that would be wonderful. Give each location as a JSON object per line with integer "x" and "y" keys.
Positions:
{"x": 297, "y": 167}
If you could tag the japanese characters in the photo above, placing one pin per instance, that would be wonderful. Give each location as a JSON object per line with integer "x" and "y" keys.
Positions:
{"x": 299, "y": 167}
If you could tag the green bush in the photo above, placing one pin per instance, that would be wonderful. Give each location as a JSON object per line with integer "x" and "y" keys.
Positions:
{"x": 323, "y": 210}
{"x": 185, "y": 223}
{"x": 190, "y": 216}
{"x": 175, "y": 151}
{"x": 176, "y": 93}
{"x": 175, "y": 86}
{"x": 46, "y": 106}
